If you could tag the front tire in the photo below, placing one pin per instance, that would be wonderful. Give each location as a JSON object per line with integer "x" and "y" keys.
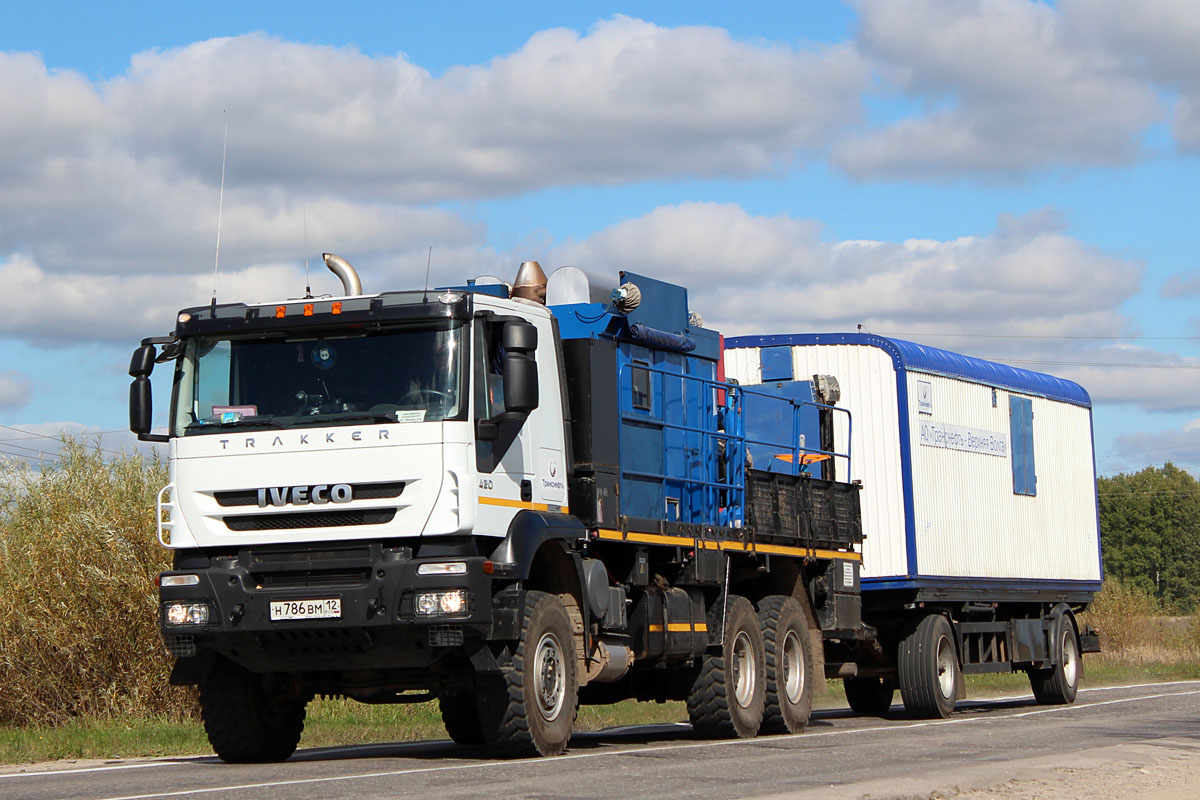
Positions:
{"x": 870, "y": 695}
{"x": 1059, "y": 684}
{"x": 729, "y": 693}
{"x": 529, "y": 709}
{"x": 246, "y": 718}
{"x": 928, "y": 669}
{"x": 789, "y": 664}
{"x": 460, "y": 716}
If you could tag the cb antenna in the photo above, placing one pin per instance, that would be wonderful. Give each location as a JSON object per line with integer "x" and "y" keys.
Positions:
{"x": 307, "y": 282}
{"x": 220, "y": 207}
{"x": 428, "y": 261}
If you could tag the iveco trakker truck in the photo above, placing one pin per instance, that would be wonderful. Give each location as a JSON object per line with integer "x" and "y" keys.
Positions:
{"x": 514, "y": 501}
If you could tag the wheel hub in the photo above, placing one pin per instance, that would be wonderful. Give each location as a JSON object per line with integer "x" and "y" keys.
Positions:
{"x": 793, "y": 667}
{"x": 744, "y": 677}
{"x": 550, "y": 676}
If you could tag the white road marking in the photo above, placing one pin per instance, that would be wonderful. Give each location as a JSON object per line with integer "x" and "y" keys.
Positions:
{"x": 653, "y": 748}
{"x": 79, "y": 770}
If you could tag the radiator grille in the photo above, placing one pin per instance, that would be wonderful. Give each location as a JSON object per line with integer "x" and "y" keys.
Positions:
{"x": 311, "y": 519}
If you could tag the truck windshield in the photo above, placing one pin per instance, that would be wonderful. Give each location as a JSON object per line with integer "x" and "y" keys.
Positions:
{"x": 408, "y": 373}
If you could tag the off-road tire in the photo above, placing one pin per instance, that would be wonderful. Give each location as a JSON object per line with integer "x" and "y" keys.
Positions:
{"x": 460, "y": 716}
{"x": 1059, "y": 684}
{"x": 729, "y": 693}
{"x": 529, "y": 708}
{"x": 786, "y": 651}
{"x": 245, "y": 721}
{"x": 870, "y": 695}
{"x": 927, "y": 662}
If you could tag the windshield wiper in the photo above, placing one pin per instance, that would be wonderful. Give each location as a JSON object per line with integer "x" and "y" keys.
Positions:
{"x": 353, "y": 416}
{"x": 244, "y": 422}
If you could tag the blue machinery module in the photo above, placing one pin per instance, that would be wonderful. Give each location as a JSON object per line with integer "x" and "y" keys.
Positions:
{"x": 656, "y": 435}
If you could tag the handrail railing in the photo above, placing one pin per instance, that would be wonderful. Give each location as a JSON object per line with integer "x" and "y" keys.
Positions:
{"x": 715, "y": 458}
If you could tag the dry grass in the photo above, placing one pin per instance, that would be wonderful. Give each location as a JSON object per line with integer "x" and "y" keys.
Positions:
{"x": 78, "y": 557}
{"x": 1134, "y": 631}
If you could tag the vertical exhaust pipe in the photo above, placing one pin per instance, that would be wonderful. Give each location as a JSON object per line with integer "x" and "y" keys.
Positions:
{"x": 341, "y": 267}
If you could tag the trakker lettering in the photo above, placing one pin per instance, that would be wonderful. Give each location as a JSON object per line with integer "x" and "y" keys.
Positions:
{"x": 303, "y": 495}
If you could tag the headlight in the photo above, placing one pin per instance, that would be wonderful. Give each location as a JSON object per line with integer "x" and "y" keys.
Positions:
{"x": 178, "y": 580}
{"x": 186, "y": 613}
{"x": 450, "y": 602}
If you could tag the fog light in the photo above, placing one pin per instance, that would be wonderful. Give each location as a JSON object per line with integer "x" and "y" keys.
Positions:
{"x": 452, "y": 602}
{"x": 187, "y": 613}
{"x": 443, "y": 568}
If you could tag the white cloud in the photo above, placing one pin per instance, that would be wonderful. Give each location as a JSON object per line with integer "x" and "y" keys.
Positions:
{"x": 1026, "y": 293}
{"x": 1156, "y": 40}
{"x": 627, "y": 101}
{"x": 1134, "y": 451}
{"x": 120, "y": 178}
{"x": 1007, "y": 87}
{"x": 757, "y": 274}
{"x": 15, "y": 389}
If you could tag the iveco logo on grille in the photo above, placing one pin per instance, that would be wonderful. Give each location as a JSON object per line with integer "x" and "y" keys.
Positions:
{"x": 318, "y": 495}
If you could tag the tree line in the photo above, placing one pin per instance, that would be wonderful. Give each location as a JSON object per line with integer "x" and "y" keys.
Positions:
{"x": 1150, "y": 534}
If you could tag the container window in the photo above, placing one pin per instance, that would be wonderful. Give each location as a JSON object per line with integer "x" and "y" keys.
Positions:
{"x": 1020, "y": 417}
{"x": 641, "y": 387}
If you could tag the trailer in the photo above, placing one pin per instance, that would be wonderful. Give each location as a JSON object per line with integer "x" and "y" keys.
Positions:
{"x": 979, "y": 510}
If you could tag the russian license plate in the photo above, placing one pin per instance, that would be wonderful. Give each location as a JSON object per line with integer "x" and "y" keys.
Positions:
{"x": 326, "y": 608}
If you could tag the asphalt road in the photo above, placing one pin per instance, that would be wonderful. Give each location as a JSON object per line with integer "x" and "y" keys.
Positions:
{"x": 840, "y": 755}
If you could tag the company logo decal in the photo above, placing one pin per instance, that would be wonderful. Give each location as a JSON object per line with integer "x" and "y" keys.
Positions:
{"x": 317, "y": 495}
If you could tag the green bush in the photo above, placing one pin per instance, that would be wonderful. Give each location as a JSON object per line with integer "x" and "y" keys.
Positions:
{"x": 78, "y": 609}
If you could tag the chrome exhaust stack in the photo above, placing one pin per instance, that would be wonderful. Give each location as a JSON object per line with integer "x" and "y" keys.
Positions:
{"x": 346, "y": 273}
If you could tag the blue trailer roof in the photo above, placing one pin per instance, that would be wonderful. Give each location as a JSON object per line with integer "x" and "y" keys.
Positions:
{"x": 923, "y": 358}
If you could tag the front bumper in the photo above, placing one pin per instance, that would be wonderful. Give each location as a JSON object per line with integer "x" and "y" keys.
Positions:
{"x": 378, "y": 626}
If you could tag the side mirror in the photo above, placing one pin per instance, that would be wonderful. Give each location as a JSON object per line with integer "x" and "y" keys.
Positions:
{"x": 142, "y": 363}
{"x": 141, "y": 404}
{"x": 520, "y": 383}
{"x": 519, "y": 337}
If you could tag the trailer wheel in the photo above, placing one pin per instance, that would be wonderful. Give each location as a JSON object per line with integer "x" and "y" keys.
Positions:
{"x": 1059, "y": 684}
{"x": 529, "y": 709}
{"x": 729, "y": 693}
{"x": 789, "y": 665}
{"x": 460, "y": 716}
{"x": 246, "y": 720}
{"x": 928, "y": 669}
{"x": 870, "y": 695}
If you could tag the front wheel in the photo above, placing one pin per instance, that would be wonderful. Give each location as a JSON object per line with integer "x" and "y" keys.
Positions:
{"x": 529, "y": 709}
{"x": 928, "y": 669}
{"x": 1059, "y": 684}
{"x": 728, "y": 695}
{"x": 248, "y": 717}
{"x": 460, "y": 716}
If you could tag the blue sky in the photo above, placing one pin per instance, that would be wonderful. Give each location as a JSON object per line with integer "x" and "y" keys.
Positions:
{"x": 1010, "y": 179}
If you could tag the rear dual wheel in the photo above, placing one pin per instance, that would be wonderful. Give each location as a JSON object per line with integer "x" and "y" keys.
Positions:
{"x": 927, "y": 663}
{"x": 729, "y": 694}
{"x": 1059, "y": 684}
{"x": 789, "y": 666}
{"x": 870, "y": 695}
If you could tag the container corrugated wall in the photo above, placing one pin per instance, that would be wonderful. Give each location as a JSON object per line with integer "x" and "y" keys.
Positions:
{"x": 875, "y": 445}
{"x": 967, "y": 520}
